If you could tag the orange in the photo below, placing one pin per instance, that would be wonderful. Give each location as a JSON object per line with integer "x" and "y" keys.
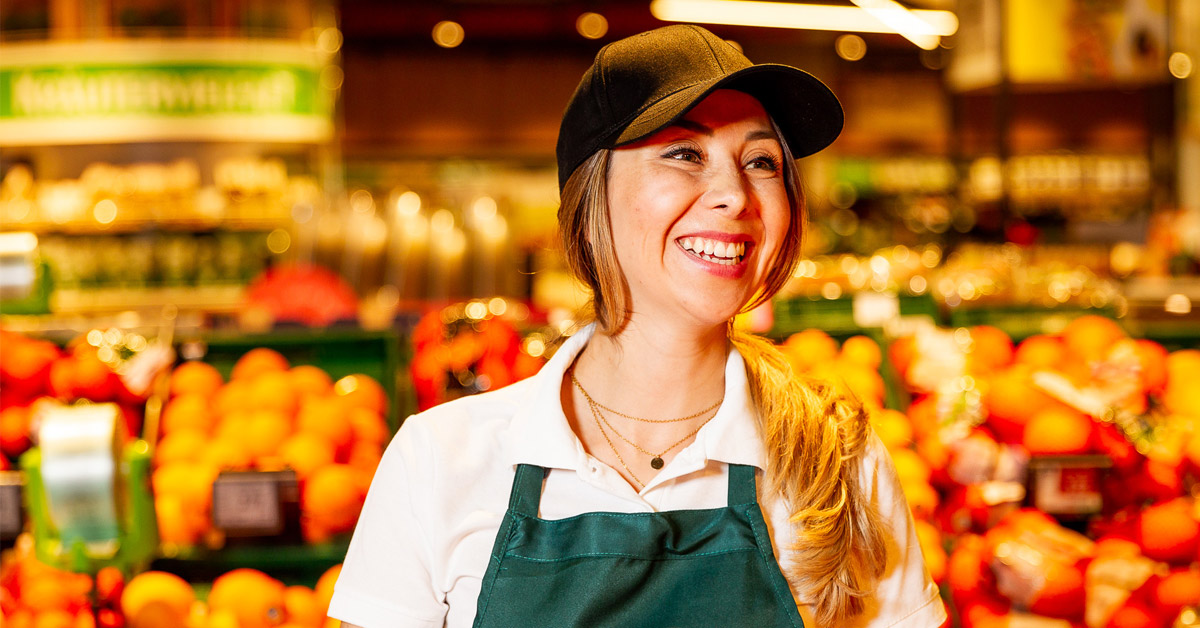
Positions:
{"x": 191, "y": 482}
{"x": 901, "y": 352}
{"x": 1183, "y": 364}
{"x": 189, "y": 411}
{"x": 256, "y": 599}
{"x": 233, "y": 397}
{"x": 55, "y": 618}
{"x": 44, "y": 594}
{"x": 1153, "y": 359}
{"x": 991, "y": 348}
{"x": 1062, "y": 593}
{"x": 1058, "y": 431}
{"x": 967, "y": 568}
{"x": 910, "y": 468}
{"x": 369, "y": 426}
{"x": 274, "y": 391}
{"x": 922, "y": 499}
{"x": 226, "y": 453}
{"x": 1168, "y": 532}
{"x": 308, "y": 380}
{"x": 892, "y": 427}
{"x": 264, "y": 432}
{"x": 1040, "y": 352}
{"x": 332, "y": 498}
{"x": 14, "y": 430}
{"x": 863, "y": 383}
{"x": 157, "y": 587}
{"x": 930, "y": 541}
{"x": 1179, "y": 588}
{"x": 303, "y": 607}
{"x": 365, "y": 457}
{"x": 861, "y": 351}
{"x": 1132, "y": 615}
{"x": 1183, "y": 398}
{"x": 184, "y": 445}
{"x": 324, "y": 587}
{"x": 306, "y": 452}
{"x": 923, "y": 416}
{"x": 329, "y": 418}
{"x": 1089, "y": 337}
{"x": 809, "y": 348}
{"x": 174, "y": 524}
{"x": 1012, "y": 400}
{"x": 258, "y": 361}
{"x": 934, "y": 451}
{"x": 196, "y": 377}
{"x": 362, "y": 391}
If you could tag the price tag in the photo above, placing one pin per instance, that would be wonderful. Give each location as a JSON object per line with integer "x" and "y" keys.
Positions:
{"x": 1068, "y": 486}
{"x": 874, "y": 309}
{"x": 11, "y": 519}
{"x": 253, "y": 503}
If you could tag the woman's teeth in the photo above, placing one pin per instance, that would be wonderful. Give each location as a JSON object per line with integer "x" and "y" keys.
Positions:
{"x": 728, "y": 253}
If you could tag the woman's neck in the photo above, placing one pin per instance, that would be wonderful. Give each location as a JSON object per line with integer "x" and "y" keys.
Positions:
{"x": 656, "y": 371}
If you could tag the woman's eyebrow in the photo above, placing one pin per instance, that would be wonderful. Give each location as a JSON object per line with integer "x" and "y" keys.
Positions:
{"x": 761, "y": 134}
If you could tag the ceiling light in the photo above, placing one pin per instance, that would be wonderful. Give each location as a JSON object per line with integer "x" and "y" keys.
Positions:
{"x": 448, "y": 34}
{"x": 922, "y": 26}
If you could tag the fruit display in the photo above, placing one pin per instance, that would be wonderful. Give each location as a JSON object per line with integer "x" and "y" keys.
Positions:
{"x": 269, "y": 416}
{"x": 89, "y": 370}
{"x": 469, "y": 348}
{"x": 35, "y": 595}
{"x": 1056, "y": 472}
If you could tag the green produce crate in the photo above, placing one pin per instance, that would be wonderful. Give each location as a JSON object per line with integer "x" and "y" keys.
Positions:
{"x": 1172, "y": 336}
{"x": 836, "y": 316}
{"x": 298, "y": 564}
{"x": 1023, "y": 321}
{"x": 339, "y": 351}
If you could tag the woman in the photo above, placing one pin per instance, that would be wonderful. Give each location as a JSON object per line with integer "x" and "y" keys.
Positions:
{"x": 655, "y": 468}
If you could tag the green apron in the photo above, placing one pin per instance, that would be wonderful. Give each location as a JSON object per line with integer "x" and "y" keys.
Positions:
{"x": 691, "y": 568}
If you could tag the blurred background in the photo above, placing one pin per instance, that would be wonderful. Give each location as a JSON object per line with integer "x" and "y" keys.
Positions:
{"x": 295, "y": 223}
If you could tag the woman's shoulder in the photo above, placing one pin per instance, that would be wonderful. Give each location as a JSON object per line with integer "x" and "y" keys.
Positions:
{"x": 450, "y": 430}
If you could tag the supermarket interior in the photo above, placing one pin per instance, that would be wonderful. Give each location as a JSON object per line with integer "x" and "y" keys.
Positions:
{"x": 1001, "y": 260}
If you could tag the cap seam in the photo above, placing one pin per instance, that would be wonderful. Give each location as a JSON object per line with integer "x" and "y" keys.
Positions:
{"x": 720, "y": 66}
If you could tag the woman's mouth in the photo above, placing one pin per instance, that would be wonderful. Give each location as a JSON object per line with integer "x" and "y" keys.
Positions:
{"x": 715, "y": 251}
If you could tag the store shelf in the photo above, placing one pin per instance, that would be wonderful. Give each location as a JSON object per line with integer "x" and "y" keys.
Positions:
{"x": 301, "y": 564}
{"x": 157, "y": 224}
{"x": 214, "y": 299}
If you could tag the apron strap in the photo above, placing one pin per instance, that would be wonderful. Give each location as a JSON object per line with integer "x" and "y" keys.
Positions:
{"x": 742, "y": 488}
{"x": 526, "y": 494}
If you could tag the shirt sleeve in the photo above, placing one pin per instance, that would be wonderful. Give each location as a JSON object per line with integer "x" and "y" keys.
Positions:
{"x": 386, "y": 579}
{"x": 906, "y": 595}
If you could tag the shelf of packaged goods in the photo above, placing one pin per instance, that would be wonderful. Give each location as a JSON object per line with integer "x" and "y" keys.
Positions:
{"x": 92, "y": 301}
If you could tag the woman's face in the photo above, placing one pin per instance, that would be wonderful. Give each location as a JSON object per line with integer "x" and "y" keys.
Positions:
{"x": 699, "y": 210}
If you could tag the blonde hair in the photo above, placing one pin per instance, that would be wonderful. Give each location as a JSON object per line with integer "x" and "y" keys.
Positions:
{"x": 815, "y": 437}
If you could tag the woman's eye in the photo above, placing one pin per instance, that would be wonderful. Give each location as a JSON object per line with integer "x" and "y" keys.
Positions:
{"x": 765, "y": 162}
{"x": 684, "y": 153}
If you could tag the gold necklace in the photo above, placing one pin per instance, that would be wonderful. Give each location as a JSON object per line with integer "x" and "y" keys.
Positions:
{"x": 596, "y": 416}
{"x": 636, "y": 418}
{"x": 656, "y": 461}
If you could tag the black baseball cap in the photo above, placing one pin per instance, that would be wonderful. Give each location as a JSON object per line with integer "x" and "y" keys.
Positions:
{"x": 644, "y": 83}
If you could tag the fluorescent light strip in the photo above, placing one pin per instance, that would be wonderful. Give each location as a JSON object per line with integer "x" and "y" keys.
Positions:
{"x": 928, "y": 24}
{"x": 902, "y": 21}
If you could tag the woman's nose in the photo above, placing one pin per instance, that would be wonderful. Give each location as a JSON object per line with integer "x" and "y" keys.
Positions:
{"x": 727, "y": 191}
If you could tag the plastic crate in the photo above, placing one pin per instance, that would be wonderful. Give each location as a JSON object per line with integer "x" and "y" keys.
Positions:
{"x": 1023, "y": 321}
{"x": 338, "y": 351}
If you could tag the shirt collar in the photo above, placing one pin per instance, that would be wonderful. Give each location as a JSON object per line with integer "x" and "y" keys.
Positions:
{"x": 540, "y": 434}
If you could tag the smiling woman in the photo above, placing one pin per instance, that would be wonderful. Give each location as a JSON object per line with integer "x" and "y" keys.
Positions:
{"x": 661, "y": 469}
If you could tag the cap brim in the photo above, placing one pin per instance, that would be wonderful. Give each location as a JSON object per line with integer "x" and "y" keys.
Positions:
{"x": 807, "y": 112}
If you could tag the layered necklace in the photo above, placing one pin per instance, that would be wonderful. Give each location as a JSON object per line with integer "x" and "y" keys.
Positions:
{"x": 656, "y": 460}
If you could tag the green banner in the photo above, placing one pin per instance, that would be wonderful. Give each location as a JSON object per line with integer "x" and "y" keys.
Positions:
{"x": 171, "y": 90}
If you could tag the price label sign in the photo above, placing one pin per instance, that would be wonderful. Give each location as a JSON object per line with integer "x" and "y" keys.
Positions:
{"x": 11, "y": 519}
{"x": 252, "y": 503}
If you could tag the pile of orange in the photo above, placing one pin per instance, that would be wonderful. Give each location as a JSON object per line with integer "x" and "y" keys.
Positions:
{"x": 36, "y": 595}
{"x": 854, "y": 366}
{"x": 269, "y": 416}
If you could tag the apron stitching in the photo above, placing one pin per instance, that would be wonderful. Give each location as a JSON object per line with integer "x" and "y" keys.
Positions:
{"x": 511, "y": 523}
{"x": 768, "y": 558}
{"x": 628, "y": 555}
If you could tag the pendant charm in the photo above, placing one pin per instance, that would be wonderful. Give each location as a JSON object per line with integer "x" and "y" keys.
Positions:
{"x": 656, "y": 462}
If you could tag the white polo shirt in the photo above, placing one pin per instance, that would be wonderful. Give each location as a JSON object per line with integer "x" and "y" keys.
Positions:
{"x": 426, "y": 532}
